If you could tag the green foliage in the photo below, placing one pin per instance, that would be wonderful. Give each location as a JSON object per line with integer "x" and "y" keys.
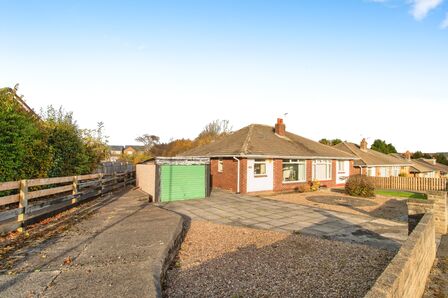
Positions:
{"x": 330, "y": 142}
{"x": 360, "y": 186}
{"x": 51, "y": 147}
{"x": 382, "y": 146}
{"x": 419, "y": 154}
{"x": 24, "y": 149}
{"x": 441, "y": 158}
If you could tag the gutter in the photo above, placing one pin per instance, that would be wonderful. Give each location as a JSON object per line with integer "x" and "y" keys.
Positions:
{"x": 238, "y": 175}
{"x": 277, "y": 157}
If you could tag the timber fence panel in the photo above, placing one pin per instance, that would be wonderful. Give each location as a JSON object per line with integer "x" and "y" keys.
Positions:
{"x": 411, "y": 183}
{"x": 34, "y": 204}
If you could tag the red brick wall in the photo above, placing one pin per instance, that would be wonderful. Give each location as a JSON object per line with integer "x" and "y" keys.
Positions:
{"x": 227, "y": 179}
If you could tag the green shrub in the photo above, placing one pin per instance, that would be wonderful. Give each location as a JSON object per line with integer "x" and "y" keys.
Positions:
{"x": 360, "y": 186}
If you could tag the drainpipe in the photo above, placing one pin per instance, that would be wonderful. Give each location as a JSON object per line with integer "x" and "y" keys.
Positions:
{"x": 237, "y": 176}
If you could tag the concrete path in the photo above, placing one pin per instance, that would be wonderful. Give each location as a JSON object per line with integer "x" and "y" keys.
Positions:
{"x": 227, "y": 208}
{"x": 117, "y": 252}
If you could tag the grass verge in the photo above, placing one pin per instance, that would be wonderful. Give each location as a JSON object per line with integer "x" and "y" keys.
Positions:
{"x": 401, "y": 194}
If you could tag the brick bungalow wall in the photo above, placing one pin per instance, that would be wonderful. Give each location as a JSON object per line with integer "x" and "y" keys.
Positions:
{"x": 228, "y": 178}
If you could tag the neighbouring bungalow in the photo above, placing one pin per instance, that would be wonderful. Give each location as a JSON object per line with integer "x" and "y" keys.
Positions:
{"x": 133, "y": 149}
{"x": 423, "y": 167}
{"x": 260, "y": 158}
{"x": 115, "y": 152}
{"x": 373, "y": 163}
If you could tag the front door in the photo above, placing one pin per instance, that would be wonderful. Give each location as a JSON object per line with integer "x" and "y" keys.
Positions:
{"x": 342, "y": 171}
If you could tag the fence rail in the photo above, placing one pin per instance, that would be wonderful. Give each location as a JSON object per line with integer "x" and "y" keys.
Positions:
{"x": 28, "y": 200}
{"x": 411, "y": 183}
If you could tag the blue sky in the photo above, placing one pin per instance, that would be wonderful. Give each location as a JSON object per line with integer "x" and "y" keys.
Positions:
{"x": 346, "y": 69}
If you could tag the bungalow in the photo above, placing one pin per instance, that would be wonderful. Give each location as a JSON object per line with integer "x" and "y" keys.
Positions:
{"x": 260, "y": 158}
{"x": 133, "y": 149}
{"x": 374, "y": 163}
{"x": 423, "y": 167}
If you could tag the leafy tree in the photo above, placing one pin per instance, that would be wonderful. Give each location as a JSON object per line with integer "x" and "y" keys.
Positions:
{"x": 419, "y": 154}
{"x": 24, "y": 152}
{"x": 441, "y": 158}
{"x": 330, "y": 142}
{"x": 95, "y": 144}
{"x": 65, "y": 138}
{"x": 382, "y": 146}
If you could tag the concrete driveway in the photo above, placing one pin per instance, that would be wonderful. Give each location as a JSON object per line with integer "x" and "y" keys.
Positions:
{"x": 242, "y": 210}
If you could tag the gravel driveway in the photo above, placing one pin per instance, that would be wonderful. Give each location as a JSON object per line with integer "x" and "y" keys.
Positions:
{"x": 228, "y": 261}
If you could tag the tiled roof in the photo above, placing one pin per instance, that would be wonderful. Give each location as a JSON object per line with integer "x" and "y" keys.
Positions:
{"x": 371, "y": 157}
{"x": 261, "y": 140}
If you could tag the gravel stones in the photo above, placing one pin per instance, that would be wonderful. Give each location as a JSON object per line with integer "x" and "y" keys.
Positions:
{"x": 226, "y": 261}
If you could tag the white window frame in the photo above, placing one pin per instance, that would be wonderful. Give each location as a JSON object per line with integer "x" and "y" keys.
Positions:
{"x": 340, "y": 165}
{"x": 220, "y": 166}
{"x": 329, "y": 170}
{"x": 294, "y": 162}
{"x": 395, "y": 171}
{"x": 260, "y": 162}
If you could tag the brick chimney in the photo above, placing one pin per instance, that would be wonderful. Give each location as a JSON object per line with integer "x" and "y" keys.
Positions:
{"x": 363, "y": 145}
{"x": 280, "y": 127}
{"x": 407, "y": 155}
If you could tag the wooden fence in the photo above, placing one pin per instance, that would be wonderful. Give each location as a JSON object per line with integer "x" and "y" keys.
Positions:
{"x": 29, "y": 200}
{"x": 411, "y": 183}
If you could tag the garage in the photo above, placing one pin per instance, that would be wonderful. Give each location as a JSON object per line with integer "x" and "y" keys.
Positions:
{"x": 174, "y": 179}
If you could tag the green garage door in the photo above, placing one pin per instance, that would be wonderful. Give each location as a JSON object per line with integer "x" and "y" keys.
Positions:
{"x": 179, "y": 182}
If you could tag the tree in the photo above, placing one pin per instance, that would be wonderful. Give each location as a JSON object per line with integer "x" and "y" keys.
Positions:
{"x": 65, "y": 138}
{"x": 95, "y": 145}
{"x": 382, "y": 146}
{"x": 330, "y": 142}
{"x": 213, "y": 131}
{"x": 148, "y": 141}
{"x": 441, "y": 158}
{"x": 419, "y": 154}
{"x": 24, "y": 152}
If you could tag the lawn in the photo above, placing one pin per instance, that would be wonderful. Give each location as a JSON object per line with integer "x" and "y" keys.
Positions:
{"x": 401, "y": 194}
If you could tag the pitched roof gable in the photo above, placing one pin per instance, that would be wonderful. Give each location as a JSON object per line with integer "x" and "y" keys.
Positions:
{"x": 371, "y": 157}
{"x": 261, "y": 140}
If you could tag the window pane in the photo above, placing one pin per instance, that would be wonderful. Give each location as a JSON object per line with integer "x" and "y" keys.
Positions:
{"x": 290, "y": 172}
{"x": 260, "y": 168}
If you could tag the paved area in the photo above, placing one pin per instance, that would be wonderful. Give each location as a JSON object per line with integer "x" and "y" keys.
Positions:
{"x": 227, "y": 208}
{"x": 117, "y": 252}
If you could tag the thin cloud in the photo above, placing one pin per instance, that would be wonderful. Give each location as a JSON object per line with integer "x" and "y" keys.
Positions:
{"x": 444, "y": 24}
{"x": 421, "y": 8}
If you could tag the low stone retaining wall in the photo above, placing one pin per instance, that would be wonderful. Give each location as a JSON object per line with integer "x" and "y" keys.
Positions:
{"x": 407, "y": 273}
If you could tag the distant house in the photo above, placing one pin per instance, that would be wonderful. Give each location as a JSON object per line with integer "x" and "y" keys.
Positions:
{"x": 374, "y": 163}
{"x": 260, "y": 158}
{"x": 115, "y": 152}
{"x": 423, "y": 167}
{"x": 133, "y": 149}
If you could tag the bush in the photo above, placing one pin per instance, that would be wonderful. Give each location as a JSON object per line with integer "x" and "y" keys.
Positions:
{"x": 360, "y": 186}
{"x": 314, "y": 185}
{"x": 304, "y": 188}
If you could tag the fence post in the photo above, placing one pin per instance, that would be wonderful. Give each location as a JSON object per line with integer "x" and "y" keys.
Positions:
{"x": 101, "y": 183}
{"x": 75, "y": 189}
{"x": 23, "y": 204}
{"x": 126, "y": 178}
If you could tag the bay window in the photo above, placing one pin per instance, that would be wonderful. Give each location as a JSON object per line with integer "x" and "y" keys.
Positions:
{"x": 294, "y": 170}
